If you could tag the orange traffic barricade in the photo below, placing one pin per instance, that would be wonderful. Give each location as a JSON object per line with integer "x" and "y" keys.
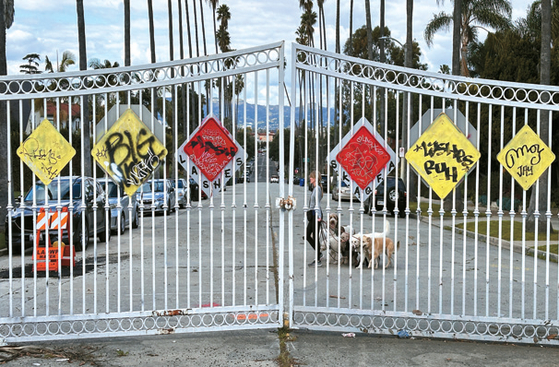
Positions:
{"x": 53, "y": 221}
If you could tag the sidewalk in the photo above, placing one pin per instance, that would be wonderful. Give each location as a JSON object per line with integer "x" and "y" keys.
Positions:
{"x": 261, "y": 348}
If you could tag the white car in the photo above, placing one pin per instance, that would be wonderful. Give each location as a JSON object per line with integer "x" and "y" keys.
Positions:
{"x": 274, "y": 179}
{"x": 112, "y": 189}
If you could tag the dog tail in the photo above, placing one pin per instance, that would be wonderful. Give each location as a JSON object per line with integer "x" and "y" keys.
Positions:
{"x": 386, "y": 228}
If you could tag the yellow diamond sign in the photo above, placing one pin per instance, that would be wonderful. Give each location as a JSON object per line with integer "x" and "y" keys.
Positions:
{"x": 46, "y": 152}
{"x": 442, "y": 155}
{"x": 129, "y": 152}
{"x": 526, "y": 157}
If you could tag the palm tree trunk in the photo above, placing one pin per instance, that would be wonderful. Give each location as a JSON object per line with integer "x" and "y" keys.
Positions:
{"x": 540, "y": 192}
{"x": 196, "y": 30}
{"x": 338, "y": 26}
{"x": 83, "y": 66}
{"x": 351, "y": 27}
{"x": 126, "y": 32}
{"x": 189, "y": 34}
{"x": 151, "y": 32}
{"x": 203, "y": 28}
{"x": 3, "y": 130}
{"x": 171, "y": 46}
{"x": 456, "y": 22}
{"x": 369, "y": 29}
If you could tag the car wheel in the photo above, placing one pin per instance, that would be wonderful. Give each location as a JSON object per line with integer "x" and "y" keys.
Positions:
{"x": 122, "y": 224}
{"x": 135, "y": 219}
{"x": 392, "y": 196}
{"x": 79, "y": 238}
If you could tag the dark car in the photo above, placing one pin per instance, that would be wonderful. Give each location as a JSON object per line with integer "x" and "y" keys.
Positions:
{"x": 195, "y": 191}
{"x": 395, "y": 197}
{"x": 119, "y": 203}
{"x": 80, "y": 204}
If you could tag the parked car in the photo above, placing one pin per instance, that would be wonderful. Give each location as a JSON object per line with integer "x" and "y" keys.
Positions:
{"x": 274, "y": 178}
{"x": 394, "y": 196}
{"x": 116, "y": 194}
{"x": 159, "y": 193}
{"x": 195, "y": 191}
{"x": 342, "y": 192}
{"x": 58, "y": 194}
{"x": 180, "y": 191}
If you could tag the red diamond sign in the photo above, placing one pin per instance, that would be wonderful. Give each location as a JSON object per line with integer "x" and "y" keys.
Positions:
{"x": 363, "y": 157}
{"x": 211, "y": 148}
{"x": 211, "y": 155}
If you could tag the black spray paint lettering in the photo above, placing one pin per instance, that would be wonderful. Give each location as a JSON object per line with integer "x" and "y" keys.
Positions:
{"x": 451, "y": 173}
{"x": 209, "y": 146}
{"x": 140, "y": 165}
{"x": 514, "y": 153}
{"x": 434, "y": 149}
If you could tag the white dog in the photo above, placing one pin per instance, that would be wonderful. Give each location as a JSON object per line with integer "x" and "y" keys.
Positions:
{"x": 335, "y": 239}
{"x": 358, "y": 242}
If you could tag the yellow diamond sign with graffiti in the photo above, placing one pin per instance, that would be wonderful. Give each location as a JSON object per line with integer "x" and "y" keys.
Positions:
{"x": 129, "y": 152}
{"x": 442, "y": 155}
{"x": 46, "y": 152}
{"x": 526, "y": 157}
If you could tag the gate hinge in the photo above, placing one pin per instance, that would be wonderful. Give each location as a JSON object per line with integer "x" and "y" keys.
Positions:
{"x": 286, "y": 204}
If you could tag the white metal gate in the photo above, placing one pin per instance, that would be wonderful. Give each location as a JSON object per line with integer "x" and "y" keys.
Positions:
{"x": 218, "y": 263}
{"x": 180, "y": 262}
{"x": 443, "y": 281}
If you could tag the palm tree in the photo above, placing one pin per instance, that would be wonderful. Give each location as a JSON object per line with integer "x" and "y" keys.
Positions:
{"x": 126, "y": 32}
{"x": 321, "y": 24}
{"x": 87, "y": 166}
{"x": 68, "y": 58}
{"x": 540, "y": 195}
{"x": 338, "y": 26}
{"x": 213, "y": 5}
{"x": 456, "y": 39}
{"x": 203, "y": 28}
{"x": 188, "y": 27}
{"x": 170, "y": 13}
{"x": 476, "y": 14}
{"x": 196, "y": 29}
{"x": 151, "y": 31}
{"x": 222, "y": 36}
{"x": 369, "y": 29}
{"x": 6, "y": 20}
{"x": 350, "y": 22}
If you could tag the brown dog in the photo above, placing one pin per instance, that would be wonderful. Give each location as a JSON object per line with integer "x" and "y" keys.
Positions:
{"x": 372, "y": 249}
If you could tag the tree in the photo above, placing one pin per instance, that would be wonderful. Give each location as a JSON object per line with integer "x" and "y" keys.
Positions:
{"x": 83, "y": 66}
{"x": 32, "y": 66}
{"x": 126, "y": 32}
{"x": 213, "y": 5}
{"x": 68, "y": 58}
{"x": 6, "y": 20}
{"x": 222, "y": 36}
{"x": 476, "y": 14}
{"x": 338, "y": 48}
{"x": 171, "y": 42}
{"x": 538, "y": 198}
{"x": 321, "y": 24}
{"x": 151, "y": 32}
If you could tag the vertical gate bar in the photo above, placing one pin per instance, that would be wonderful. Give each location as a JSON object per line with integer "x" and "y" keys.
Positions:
{"x": 186, "y": 192}
{"x": 293, "y": 126}
{"x": 397, "y": 212}
{"x": 153, "y": 277}
{"x": 548, "y": 222}
{"x": 339, "y": 178}
{"x": 209, "y": 91}
{"x": 108, "y": 228}
{"x": 351, "y": 265}
{"x": 200, "y": 257}
{"x": 282, "y": 182}
{"x": 430, "y": 230}
{"x": 328, "y": 208}
{"x": 385, "y": 209}
{"x": 304, "y": 122}
{"x": 418, "y": 220}
{"x": 222, "y": 197}
{"x": 256, "y": 195}
{"x": 9, "y": 234}
{"x": 512, "y": 223}
{"x": 536, "y": 229}
{"x": 488, "y": 210}
{"x": 245, "y": 203}
{"x": 130, "y": 233}
{"x": 465, "y": 213}
{"x": 60, "y": 253}
{"x": 234, "y": 128}
{"x": 315, "y": 123}
{"x": 268, "y": 210}
{"x": 34, "y": 207}
{"x": 452, "y": 231}
{"x": 59, "y": 210}
{"x": 524, "y": 218}
{"x": 476, "y": 213}
{"x": 142, "y": 246}
{"x": 408, "y": 117}
{"x": 189, "y": 92}
{"x": 500, "y": 214}
{"x": 95, "y": 297}
{"x": 166, "y": 211}
{"x": 361, "y": 192}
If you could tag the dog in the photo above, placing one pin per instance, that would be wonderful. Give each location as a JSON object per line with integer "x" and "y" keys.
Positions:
{"x": 371, "y": 246}
{"x": 336, "y": 241}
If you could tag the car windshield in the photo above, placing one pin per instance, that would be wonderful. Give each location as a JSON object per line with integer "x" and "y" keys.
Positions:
{"x": 55, "y": 187}
{"x": 159, "y": 186}
{"x": 181, "y": 184}
{"x": 112, "y": 190}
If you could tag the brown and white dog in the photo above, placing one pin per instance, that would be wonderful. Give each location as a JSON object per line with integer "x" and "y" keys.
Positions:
{"x": 371, "y": 246}
{"x": 337, "y": 240}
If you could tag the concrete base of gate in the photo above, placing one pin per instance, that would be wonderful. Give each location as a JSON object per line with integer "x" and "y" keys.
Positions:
{"x": 261, "y": 348}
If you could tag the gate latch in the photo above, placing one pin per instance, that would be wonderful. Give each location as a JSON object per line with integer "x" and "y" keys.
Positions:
{"x": 286, "y": 204}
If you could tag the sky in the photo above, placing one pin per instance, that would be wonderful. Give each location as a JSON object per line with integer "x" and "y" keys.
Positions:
{"x": 49, "y": 28}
